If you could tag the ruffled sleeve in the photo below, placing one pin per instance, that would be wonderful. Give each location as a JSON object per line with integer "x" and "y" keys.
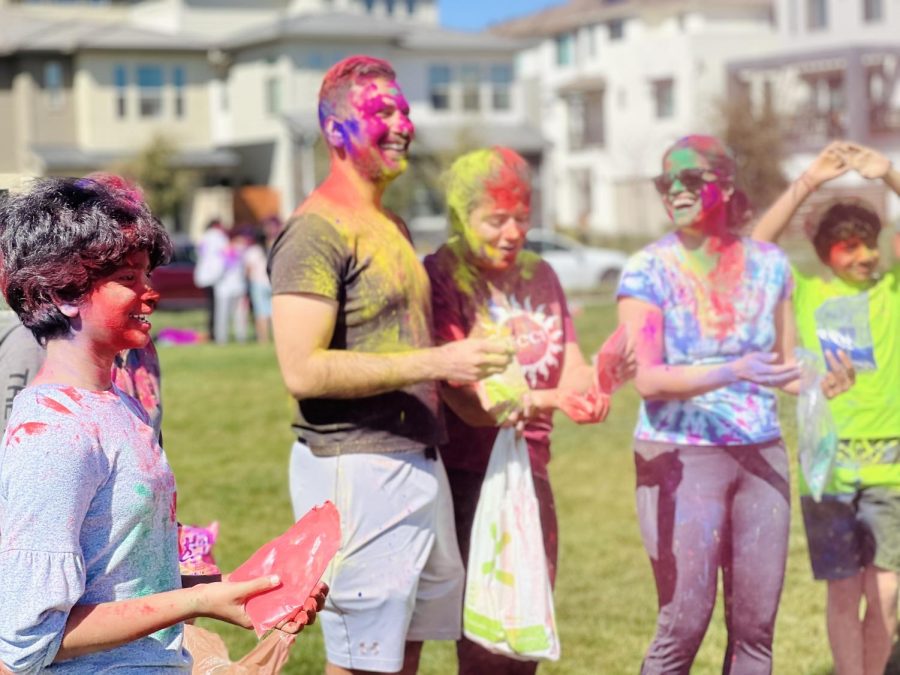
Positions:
{"x": 37, "y": 591}
{"x": 50, "y": 472}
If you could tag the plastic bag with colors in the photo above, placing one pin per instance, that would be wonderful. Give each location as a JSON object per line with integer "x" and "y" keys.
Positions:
{"x": 817, "y": 434}
{"x": 299, "y": 557}
{"x": 508, "y": 606}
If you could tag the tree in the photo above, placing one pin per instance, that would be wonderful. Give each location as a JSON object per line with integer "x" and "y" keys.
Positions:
{"x": 757, "y": 140}
{"x": 165, "y": 185}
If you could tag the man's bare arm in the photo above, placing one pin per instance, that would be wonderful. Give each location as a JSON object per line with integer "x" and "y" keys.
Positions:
{"x": 303, "y": 327}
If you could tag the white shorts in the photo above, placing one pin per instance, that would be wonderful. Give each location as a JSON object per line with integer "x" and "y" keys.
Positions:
{"x": 398, "y": 575}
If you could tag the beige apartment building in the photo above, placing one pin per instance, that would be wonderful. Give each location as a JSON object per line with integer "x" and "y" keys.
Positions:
{"x": 86, "y": 84}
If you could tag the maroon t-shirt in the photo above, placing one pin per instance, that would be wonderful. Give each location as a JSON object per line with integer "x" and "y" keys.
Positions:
{"x": 535, "y": 313}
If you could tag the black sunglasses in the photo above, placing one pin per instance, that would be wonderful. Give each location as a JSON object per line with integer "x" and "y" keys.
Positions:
{"x": 693, "y": 180}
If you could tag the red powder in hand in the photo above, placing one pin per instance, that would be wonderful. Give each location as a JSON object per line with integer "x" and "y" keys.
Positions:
{"x": 299, "y": 557}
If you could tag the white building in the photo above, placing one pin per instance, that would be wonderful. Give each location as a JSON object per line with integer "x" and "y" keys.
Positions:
{"x": 87, "y": 83}
{"x": 835, "y": 74}
{"x": 619, "y": 80}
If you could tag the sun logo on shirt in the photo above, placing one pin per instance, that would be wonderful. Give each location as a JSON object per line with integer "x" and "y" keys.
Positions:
{"x": 538, "y": 335}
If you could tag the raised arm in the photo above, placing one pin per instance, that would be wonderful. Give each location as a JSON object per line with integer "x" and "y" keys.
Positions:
{"x": 303, "y": 327}
{"x": 831, "y": 163}
{"x": 656, "y": 380}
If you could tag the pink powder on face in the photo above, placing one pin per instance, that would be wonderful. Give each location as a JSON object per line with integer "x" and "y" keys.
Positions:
{"x": 370, "y": 126}
{"x": 505, "y": 187}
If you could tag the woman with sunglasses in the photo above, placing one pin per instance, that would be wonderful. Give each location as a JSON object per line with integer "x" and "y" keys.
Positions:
{"x": 709, "y": 314}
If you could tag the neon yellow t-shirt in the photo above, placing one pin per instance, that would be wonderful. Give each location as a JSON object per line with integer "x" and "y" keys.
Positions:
{"x": 871, "y": 409}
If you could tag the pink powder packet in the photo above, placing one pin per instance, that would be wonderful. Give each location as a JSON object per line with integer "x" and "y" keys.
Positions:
{"x": 195, "y": 557}
{"x": 299, "y": 557}
{"x": 611, "y": 362}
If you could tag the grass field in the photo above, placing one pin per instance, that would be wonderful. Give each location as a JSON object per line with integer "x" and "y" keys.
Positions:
{"x": 226, "y": 429}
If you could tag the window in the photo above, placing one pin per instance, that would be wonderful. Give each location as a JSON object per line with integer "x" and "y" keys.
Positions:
{"x": 616, "y": 29}
{"x": 564, "y": 48}
{"x": 390, "y": 6}
{"x": 439, "y": 79}
{"x": 120, "y": 80}
{"x": 470, "y": 83}
{"x": 816, "y": 14}
{"x": 178, "y": 81}
{"x": 370, "y": 5}
{"x": 273, "y": 95}
{"x": 664, "y": 98}
{"x": 410, "y": 7}
{"x": 501, "y": 86}
{"x": 53, "y": 84}
{"x": 150, "y": 90}
{"x": 873, "y": 11}
{"x": 586, "y": 119}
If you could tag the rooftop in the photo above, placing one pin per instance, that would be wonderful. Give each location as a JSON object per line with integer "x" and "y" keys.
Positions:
{"x": 578, "y": 13}
{"x": 20, "y": 32}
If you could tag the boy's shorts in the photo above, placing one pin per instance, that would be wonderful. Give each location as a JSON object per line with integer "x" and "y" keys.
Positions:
{"x": 398, "y": 575}
{"x": 857, "y": 523}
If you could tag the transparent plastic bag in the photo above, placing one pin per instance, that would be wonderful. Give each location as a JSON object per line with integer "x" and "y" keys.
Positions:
{"x": 843, "y": 324}
{"x": 508, "y": 606}
{"x": 817, "y": 433}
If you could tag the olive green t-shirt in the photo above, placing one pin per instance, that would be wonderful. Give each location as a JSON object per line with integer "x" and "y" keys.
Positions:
{"x": 384, "y": 306}
{"x": 871, "y": 408}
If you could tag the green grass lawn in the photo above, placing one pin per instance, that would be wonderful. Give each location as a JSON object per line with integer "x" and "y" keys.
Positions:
{"x": 226, "y": 429}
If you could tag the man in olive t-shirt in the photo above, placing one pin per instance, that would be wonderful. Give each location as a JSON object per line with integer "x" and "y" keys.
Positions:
{"x": 352, "y": 327}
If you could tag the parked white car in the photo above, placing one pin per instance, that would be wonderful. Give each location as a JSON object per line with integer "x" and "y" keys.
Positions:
{"x": 578, "y": 267}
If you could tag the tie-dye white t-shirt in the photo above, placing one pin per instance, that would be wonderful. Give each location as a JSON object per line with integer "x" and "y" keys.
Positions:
{"x": 711, "y": 316}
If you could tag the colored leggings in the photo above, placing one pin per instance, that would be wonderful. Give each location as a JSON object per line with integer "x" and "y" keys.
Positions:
{"x": 466, "y": 488}
{"x": 704, "y": 508}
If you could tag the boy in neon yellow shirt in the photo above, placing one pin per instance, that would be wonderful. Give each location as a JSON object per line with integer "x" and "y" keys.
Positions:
{"x": 854, "y": 531}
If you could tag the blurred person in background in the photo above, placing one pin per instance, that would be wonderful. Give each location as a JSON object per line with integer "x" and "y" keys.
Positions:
{"x": 255, "y": 263}
{"x": 210, "y": 267}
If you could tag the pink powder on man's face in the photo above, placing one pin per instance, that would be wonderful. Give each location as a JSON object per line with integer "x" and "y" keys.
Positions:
{"x": 299, "y": 558}
{"x": 380, "y": 112}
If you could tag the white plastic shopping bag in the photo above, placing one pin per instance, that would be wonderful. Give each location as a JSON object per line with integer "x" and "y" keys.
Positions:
{"x": 508, "y": 605}
{"x": 817, "y": 433}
